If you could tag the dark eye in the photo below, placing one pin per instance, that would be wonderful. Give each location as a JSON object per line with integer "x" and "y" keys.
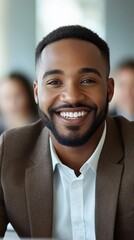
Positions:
{"x": 88, "y": 81}
{"x": 54, "y": 82}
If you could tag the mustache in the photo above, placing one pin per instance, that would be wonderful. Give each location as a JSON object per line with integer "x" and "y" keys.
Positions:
{"x": 91, "y": 107}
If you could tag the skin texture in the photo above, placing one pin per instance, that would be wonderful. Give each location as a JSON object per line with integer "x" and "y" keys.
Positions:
{"x": 73, "y": 88}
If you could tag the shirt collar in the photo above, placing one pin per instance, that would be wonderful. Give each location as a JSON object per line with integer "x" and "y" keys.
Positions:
{"x": 55, "y": 159}
{"x": 91, "y": 162}
{"x": 94, "y": 158}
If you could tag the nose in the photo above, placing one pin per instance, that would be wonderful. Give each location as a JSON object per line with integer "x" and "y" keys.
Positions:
{"x": 72, "y": 94}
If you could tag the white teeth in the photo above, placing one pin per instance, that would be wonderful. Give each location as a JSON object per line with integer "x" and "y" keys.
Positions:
{"x": 72, "y": 114}
{"x": 76, "y": 114}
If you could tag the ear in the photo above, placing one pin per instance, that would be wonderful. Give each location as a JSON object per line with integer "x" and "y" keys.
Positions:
{"x": 35, "y": 87}
{"x": 110, "y": 89}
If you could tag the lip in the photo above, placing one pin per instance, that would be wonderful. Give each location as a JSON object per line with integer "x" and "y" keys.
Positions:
{"x": 74, "y": 121}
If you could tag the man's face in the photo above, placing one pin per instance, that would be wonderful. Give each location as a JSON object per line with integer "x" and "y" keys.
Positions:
{"x": 72, "y": 90}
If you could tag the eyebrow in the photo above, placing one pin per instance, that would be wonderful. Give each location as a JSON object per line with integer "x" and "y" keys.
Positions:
{"x": 51, "y": 72}
{"x": 90, "y": 70}
{"x": 83, "y": 70}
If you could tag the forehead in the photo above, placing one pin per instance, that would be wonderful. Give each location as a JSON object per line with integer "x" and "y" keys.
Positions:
{"x": 72, "y": 54}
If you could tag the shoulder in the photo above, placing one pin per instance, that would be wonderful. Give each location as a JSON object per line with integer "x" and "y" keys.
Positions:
{"x": 21, "y": 138}
{"x": 22, "y": 132}
{"x": 122, "y": 123}
{"x": 125, "y": 129}
{"x": 18, "y": 145}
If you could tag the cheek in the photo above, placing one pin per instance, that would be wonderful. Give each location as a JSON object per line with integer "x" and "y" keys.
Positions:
{"x": 99, "y": 96}
{"x": 46, "y": 99}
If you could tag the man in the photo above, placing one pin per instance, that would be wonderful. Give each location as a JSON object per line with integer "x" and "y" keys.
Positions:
{"x": 124, "y": 90}
{"x": 73, "y": 178}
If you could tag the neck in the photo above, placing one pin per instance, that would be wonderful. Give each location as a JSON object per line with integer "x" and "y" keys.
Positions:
{"x": 75, "y": 157}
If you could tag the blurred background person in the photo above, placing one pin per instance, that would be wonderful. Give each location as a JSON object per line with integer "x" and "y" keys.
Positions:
{"x": 17, "y": 104}
{"x": 123, "y": 100}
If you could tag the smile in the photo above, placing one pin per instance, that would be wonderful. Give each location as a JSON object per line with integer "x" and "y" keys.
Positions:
{"x": 73, "y": 115}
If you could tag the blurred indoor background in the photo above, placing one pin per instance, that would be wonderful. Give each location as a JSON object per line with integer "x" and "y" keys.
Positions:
{"x": 23, "y": 23}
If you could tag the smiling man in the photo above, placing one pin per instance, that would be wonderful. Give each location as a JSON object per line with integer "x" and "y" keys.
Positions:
{"x": 70, "y": 175}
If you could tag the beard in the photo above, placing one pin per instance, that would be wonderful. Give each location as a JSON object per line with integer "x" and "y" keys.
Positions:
{"x": 73, "y": 139}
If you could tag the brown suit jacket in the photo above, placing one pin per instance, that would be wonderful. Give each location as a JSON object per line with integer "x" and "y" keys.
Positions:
{"x": 26, "y": 185}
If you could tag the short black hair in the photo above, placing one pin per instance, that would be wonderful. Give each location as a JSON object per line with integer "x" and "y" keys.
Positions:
{"x": 126, "y": 63}
{"x": 74, "y": 31}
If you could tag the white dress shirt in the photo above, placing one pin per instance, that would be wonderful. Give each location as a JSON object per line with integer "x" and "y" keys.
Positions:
{"x": 74, "y": 197}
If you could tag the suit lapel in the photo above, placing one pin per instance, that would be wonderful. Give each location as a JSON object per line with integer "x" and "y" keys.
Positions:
{"x": 39, "y": 189}
{"x": 108, "y": 183}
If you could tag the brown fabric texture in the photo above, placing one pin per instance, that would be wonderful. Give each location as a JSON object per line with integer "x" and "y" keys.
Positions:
{"x": 26, "y": 182}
